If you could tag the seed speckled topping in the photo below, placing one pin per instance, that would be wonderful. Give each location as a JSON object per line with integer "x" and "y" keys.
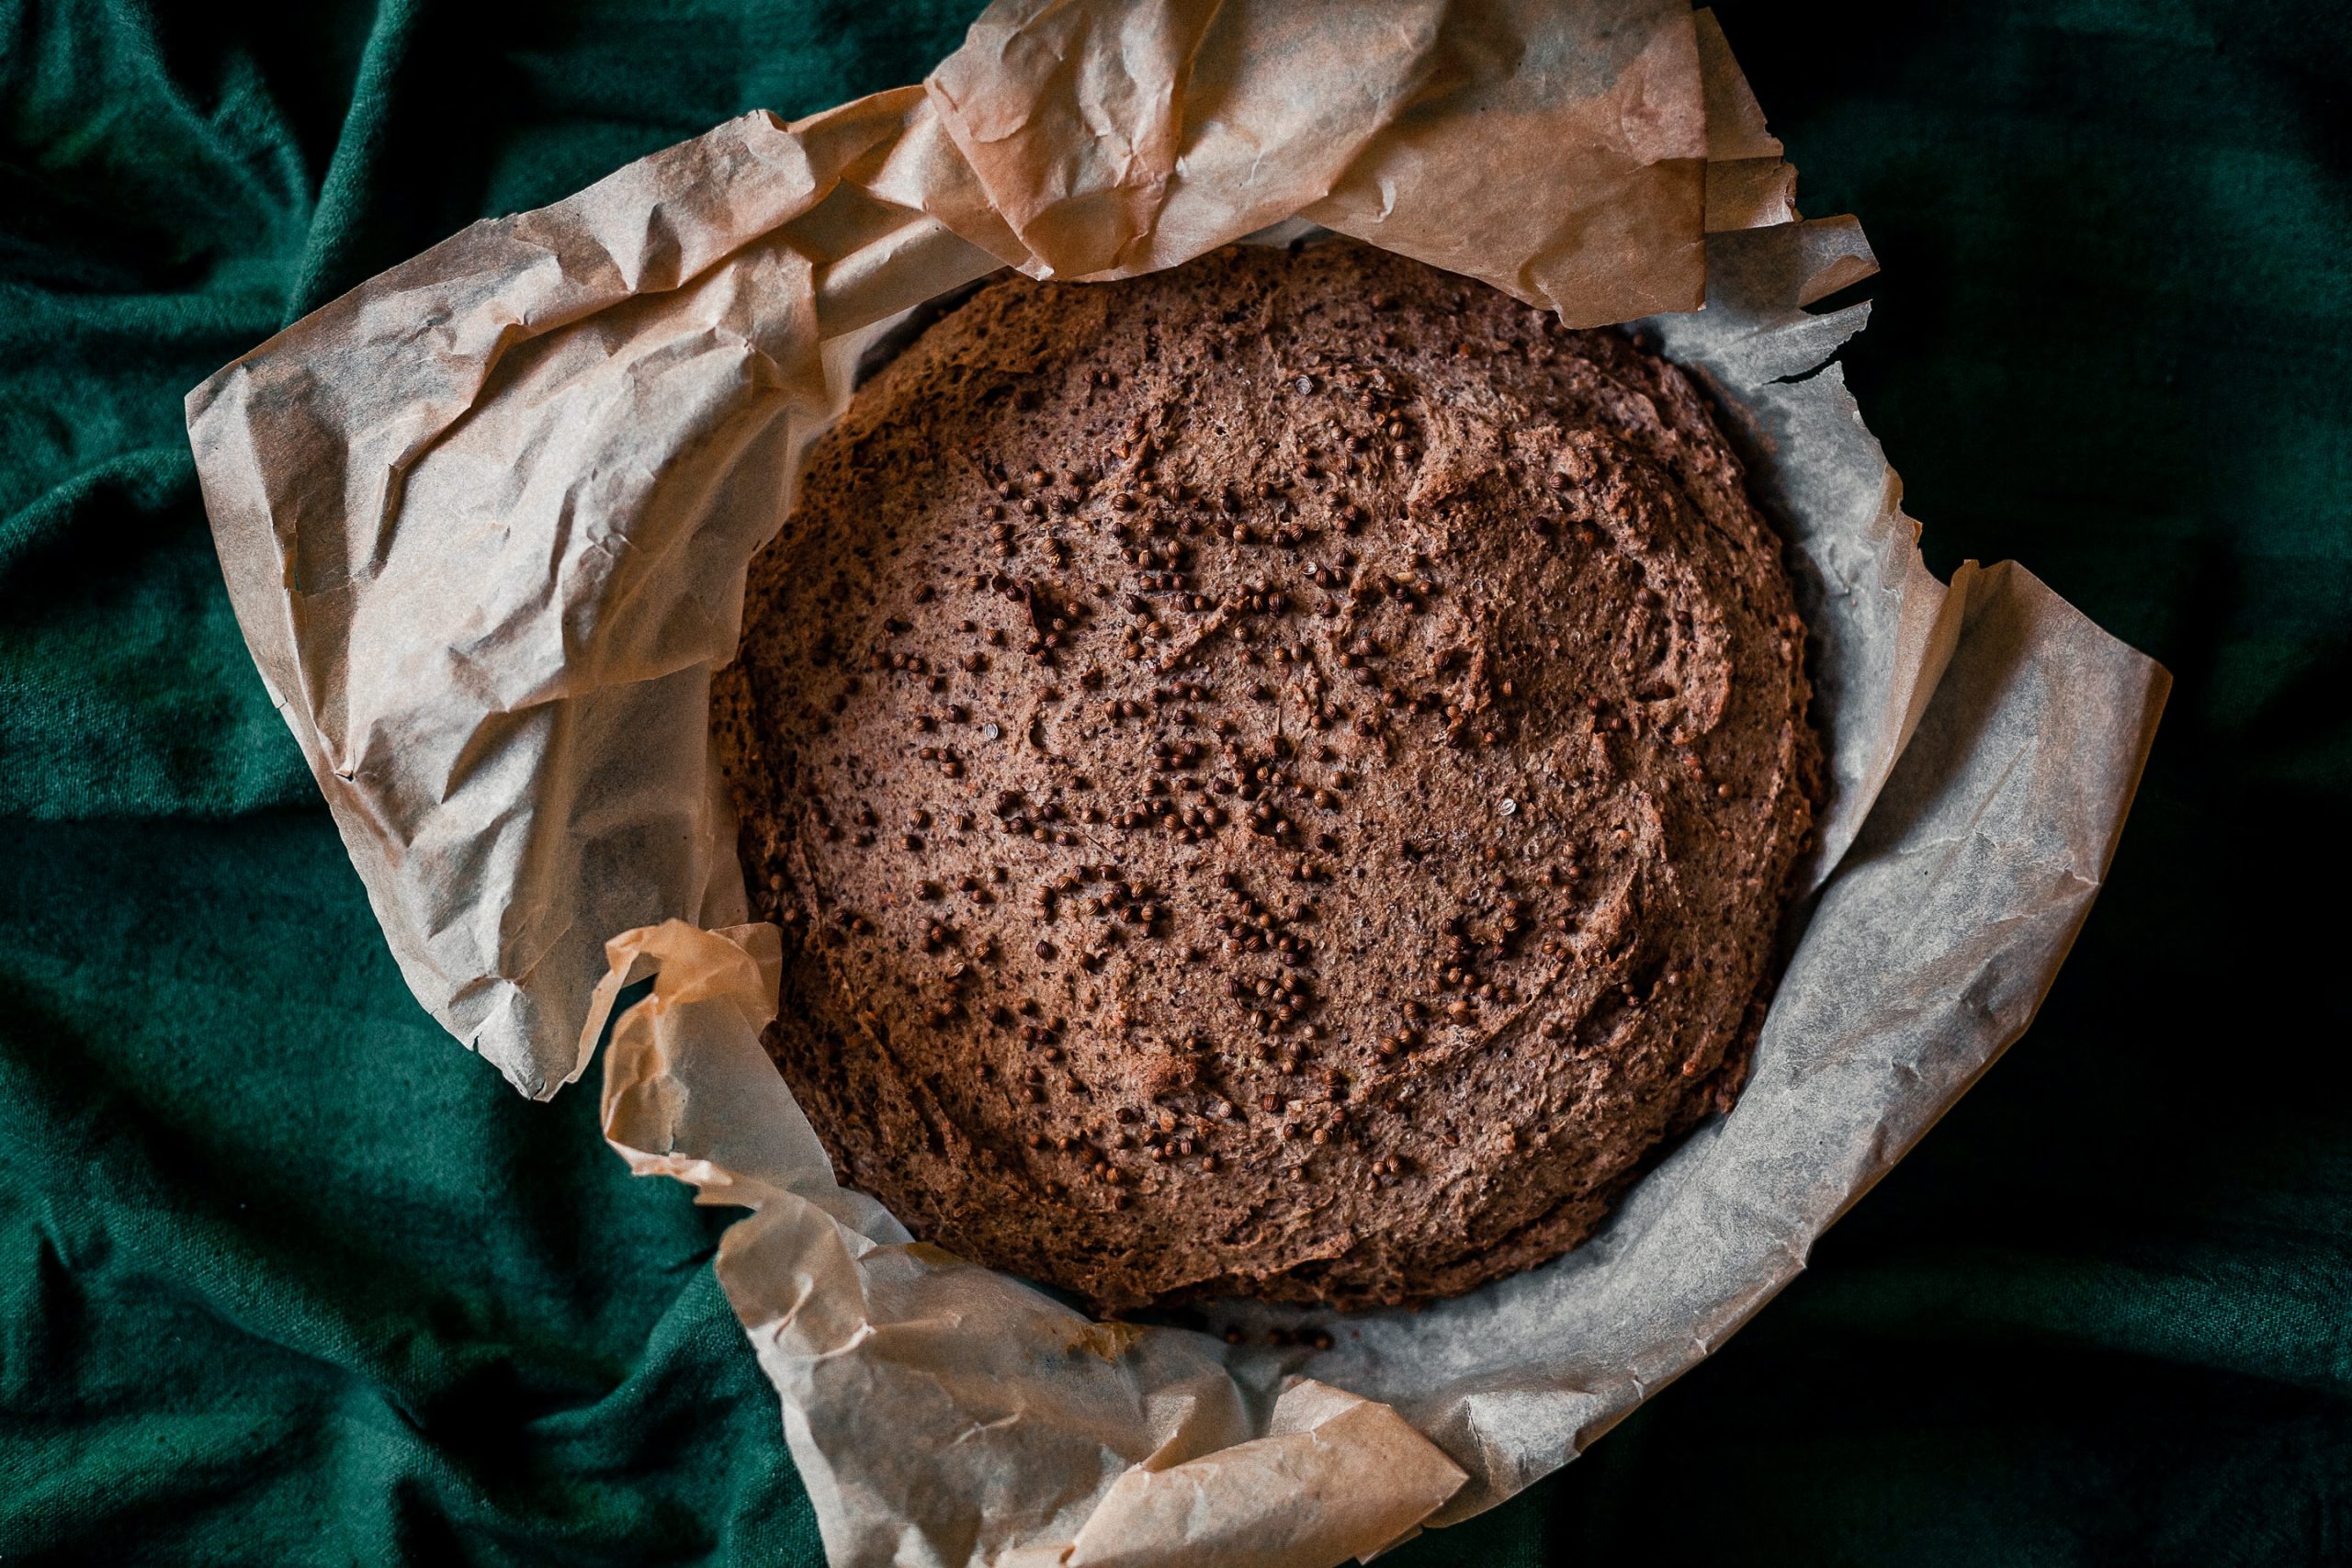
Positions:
{"x": 1280, "y": 778}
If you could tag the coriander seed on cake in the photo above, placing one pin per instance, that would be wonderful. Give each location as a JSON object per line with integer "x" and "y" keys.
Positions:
{"x": 1280, "y": 778}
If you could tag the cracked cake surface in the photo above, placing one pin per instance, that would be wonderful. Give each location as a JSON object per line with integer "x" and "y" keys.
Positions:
{"x": 1280, "y": 778}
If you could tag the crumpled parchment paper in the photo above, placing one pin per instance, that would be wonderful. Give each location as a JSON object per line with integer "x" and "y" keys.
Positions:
{"x": 485, "y": 522}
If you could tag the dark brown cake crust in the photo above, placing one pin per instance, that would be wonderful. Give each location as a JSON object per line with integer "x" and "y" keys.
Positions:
{"x": 1280, "y": 778}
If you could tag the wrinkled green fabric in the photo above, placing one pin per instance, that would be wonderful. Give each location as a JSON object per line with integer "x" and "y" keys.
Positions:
{"x": 286, "y": 1276}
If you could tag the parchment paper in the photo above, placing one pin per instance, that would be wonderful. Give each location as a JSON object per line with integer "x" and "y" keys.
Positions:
{"x": 485, "y": 522}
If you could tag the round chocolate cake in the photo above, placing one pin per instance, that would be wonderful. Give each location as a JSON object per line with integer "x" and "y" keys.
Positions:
{"x": 1280, "y": 778}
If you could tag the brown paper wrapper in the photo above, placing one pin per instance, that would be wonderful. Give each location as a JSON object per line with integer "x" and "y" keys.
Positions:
{"x": 485, "y": 522}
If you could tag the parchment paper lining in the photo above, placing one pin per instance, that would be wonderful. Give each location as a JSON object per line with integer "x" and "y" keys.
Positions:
{"x": 485, "y": 520}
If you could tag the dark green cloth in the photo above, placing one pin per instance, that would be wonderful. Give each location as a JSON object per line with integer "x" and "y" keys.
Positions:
{"x": 286, "y": 1276}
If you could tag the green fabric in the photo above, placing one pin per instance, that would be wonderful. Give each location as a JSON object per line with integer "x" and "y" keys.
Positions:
{"x": 286, "y": 1276}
